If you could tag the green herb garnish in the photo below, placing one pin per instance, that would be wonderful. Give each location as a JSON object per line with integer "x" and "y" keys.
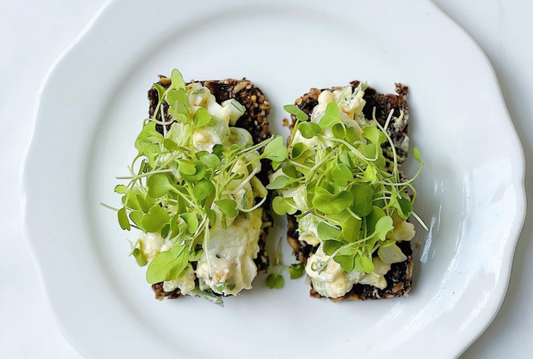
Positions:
{"x": 187, "y": 178}
{"x": 340, "y": 177}
{"x": 275, "y": 279}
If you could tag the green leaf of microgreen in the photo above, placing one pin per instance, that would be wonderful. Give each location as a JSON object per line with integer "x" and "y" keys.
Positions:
{"x": 170, "y": 145}
{"x": 218, "y": 150}
{"x": 155, "y": 220}
{"x": 203, "y": 189}
{"x": 374, "y": 135}
{"x": 123, "y": 219}
{"x": 145, "y": 202}
{"x": 383, "y": 226}
{"x": 279, "y": 182}
{"x": 366, "y": 264}
{"x": 275, "y": 281}
{"x": 199, "y": 172}
{"x": 181, "y": 206}
{"x": 340, "y": 217}
{"x": 186, "y": 167}
{"x": 136, "y": 217}
{"x": 371, "y": 220}
{"x": 148, "y": 142}
{"x": 309, "y": 129}
{"x": 131, "y": 197}
{"x": 370, "y": 174}
{"x": 346, "y": 261}
{"x": 228, "y": 207}
{"x": 139, "y": 258}
{"x": 276, "y": 150}
{"x": 282, "y": 206}
{"x": 370, "y": 150}
{"x": 192, "y": 221}
{"x": 362, "y": 199}
{"x": 331, "y": 116}
{"x": 338, "y": 131}
{"x": 172, "y": 98}
{"x": 357, "y": 263}
{"x": 295, "y": 110}
{"x": 176, "y": 227}
{"x": 416, "y": 155}
{"x": 330, "y": 246}
{"x": 279, "y": 206}
{"x": 290, "y": 171}
{"x": 296, "y": 270}
{"x": 310, "y": 189}
{"x": 177, "y": 80}
{"x": 165, "y": 231}
{"x": 331, "y": 203}
{"x": 351, "y": 229}
{"x": 325, "y": 231}
{"x": 168, "y": 265}
{"x": 211, "y": 215}
{"x": 345, "y": 159}
{"x": 160, "y": 91}
{"x": 405, "y": 208}
{"x": 341, "y": 175}
{"x": 158, "y": 185}
{"x": 351, "y": 135}
{"x": 201, "y": 117}
{"x": 121, "y": 189}
{"x": 211, "y": 161}
{"x": 275, "y": 165}
{"x": 298, "y": 150}
{"x": 179, "y": 102}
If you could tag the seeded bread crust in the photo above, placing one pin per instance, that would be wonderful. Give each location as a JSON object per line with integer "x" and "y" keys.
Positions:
{"x": 400, "y": 275}
{"x": 254, "y": 120}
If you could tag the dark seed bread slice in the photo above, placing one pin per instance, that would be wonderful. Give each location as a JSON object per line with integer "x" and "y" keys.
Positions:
{"x": 400, "y": 274}
{"x": 254, "y": 120}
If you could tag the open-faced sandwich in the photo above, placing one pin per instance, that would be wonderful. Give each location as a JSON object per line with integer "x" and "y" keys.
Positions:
{"x": 347, "y": 200}
{"x": 197, "y": 188}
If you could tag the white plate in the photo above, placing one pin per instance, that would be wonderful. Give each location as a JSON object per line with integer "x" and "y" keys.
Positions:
{"x": 471, "y": 190}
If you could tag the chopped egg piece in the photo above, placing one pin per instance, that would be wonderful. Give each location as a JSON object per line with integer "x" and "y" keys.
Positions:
{"x": 391, "y": 254}
{"x": 403, "y": 230}
{"x": 205, "y": 138}
{"x": 377, "y": 277}
{"x": 332, "y": 281}
{"x": 185, "y": 282}
{"x": 307, "y": 228}
{"x": 152, "y": 244}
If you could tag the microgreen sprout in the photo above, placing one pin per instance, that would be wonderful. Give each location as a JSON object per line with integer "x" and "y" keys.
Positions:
{"x": 275, "y": 279}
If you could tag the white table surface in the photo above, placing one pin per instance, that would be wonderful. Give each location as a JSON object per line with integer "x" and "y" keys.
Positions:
{"x": 34, "y": 32}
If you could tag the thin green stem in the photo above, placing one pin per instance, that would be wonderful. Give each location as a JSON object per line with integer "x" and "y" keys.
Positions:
{"x": 144, "y": 175}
